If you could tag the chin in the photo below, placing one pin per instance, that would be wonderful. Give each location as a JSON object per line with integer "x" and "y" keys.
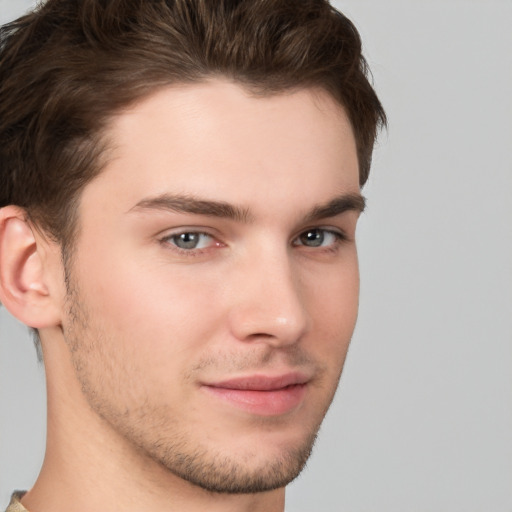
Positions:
{"x": 239, "y": 474}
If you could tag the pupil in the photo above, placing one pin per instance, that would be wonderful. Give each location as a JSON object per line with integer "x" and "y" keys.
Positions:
{"x": 313, "y": 238}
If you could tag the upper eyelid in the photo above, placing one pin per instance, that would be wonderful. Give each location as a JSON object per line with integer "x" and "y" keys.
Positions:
{"x": 178, "y": 233}
{"x": 340, "y": 234}
{"x": 200, "y": 230}
{"x": 329, "y": 229}
{"x": 211, "y": 232}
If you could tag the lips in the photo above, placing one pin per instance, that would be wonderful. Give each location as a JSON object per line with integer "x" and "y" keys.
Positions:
{"x": 262, "y": 395}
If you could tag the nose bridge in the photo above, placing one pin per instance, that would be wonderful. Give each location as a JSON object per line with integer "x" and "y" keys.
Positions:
{"x": 270, "y": 304}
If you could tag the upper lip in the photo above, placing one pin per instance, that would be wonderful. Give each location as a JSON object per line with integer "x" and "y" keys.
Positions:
{"x": 262, "y": 382}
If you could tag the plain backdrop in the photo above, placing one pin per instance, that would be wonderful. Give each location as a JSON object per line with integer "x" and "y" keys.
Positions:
{"x": 423, "y": 418}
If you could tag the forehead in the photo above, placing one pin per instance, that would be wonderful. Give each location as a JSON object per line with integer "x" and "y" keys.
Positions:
{"x": 217, "y": 140}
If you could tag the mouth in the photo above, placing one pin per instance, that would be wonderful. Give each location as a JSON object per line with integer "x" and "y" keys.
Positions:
{"x": 262, "y": 395}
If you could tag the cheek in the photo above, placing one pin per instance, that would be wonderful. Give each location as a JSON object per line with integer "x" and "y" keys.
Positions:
{"x": 144, "y": 328}
{"x": 333, "y": 308}
{"x": 156, "y": 309}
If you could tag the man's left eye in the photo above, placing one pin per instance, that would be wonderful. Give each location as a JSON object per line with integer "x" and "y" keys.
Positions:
{"x": 318, "y": 238}
{"x": 191, "y": 240}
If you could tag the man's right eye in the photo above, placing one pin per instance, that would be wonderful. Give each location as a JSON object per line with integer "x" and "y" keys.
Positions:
{"x": 190, "y": 240}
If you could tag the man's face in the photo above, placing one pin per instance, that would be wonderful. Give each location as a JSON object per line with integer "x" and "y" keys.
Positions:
{"x": 213, "y": 287}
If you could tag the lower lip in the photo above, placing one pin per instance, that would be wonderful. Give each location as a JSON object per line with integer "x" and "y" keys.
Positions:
{"x": 263, "y": 403}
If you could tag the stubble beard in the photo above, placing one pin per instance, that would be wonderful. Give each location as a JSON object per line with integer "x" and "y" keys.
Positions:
{"x": 184, "y": 457}
{"x": 218, "y": 473}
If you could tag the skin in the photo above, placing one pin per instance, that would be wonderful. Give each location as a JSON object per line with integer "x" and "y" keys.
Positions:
{"x": 138, "y": 339}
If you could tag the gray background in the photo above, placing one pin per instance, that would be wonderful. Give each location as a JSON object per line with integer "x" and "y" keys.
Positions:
{"x": 423, "y": 419}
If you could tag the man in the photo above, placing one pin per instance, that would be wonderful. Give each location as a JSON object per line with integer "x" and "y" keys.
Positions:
{"x": 180, "y": 187}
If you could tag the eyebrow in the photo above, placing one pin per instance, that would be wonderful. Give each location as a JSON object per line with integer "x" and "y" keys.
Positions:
{"x": 337, "y": 206}
{"x": 196, "y": 206}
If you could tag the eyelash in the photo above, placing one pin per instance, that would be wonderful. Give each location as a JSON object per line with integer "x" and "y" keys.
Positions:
{"x": 339, "y": 238}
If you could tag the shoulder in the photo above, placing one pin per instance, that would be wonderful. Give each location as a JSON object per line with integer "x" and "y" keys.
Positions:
{"x": 15, "y": 504}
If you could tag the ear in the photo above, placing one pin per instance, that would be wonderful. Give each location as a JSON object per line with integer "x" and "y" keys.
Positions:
{"x": 24, "y": 284}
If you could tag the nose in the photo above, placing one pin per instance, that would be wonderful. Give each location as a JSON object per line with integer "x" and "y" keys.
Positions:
{"x": 269, "y": 304}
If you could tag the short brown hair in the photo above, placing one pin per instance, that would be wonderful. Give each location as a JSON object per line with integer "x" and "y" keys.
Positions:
{"x": 68, "y": 66}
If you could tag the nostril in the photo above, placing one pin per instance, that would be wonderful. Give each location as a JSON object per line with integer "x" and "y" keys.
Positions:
{"x": 259, "y": 335}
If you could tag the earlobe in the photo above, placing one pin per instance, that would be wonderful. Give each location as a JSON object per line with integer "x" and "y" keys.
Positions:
{"x": 24, "y": 289}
